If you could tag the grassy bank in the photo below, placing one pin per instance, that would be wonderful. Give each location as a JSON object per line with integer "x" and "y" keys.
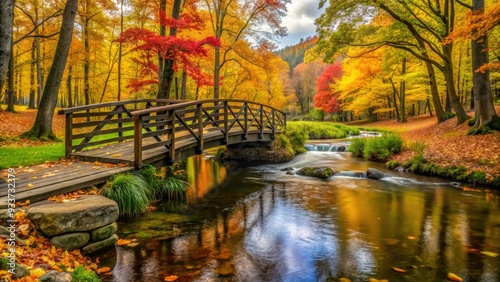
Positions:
{"x": 24, "y": 156}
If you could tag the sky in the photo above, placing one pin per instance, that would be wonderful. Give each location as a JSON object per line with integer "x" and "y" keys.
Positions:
{"x": 300, "y": 21}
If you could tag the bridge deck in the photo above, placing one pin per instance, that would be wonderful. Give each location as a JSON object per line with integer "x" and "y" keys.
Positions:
{"x": 37, "y": 183}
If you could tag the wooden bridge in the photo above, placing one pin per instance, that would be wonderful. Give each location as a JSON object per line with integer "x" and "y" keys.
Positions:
{"x": 138, "y": 132}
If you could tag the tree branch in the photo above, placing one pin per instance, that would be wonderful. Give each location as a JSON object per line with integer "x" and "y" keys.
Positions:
{"x": 464, "y": 4}
{"x": 57, "y": 13}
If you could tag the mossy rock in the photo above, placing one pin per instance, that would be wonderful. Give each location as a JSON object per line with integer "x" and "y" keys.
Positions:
{"x": 318, "y": 172}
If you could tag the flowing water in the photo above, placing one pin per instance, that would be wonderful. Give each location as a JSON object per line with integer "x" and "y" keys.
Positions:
{"x": 257, "y": 223}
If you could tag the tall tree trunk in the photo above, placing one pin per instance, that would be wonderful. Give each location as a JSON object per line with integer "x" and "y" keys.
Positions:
{"x": 68, "y": 86}
{"x": 434, "y": 91}
{"x": 183, "y": 86}
{"x": 483, "y": 97}
{"x": 403, "y": 92}
{"x": 32, "y": 76}
{"x": 6, "y": 20}
{"x": 10, "y": 86}
{"x": 450, "y": 83}
{"x": 86, "y": 58}
{"x": 42, "y": 128}
{"x": 167, "y": 73}
{"x": 120, "y": 50}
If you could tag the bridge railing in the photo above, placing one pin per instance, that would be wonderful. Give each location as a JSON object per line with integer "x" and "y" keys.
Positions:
{"x": 101, "y": 124}
{"x": 198, "y": 120}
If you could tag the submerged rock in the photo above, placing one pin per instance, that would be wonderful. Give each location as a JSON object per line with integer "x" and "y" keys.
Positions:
{"x": 54, "y": 276}
{"x": 84, "y": 214}
{"x": 372, "y": 173}
{"x": 318, "y": 172}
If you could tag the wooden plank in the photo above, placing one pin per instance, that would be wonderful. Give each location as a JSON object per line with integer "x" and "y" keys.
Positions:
{"x": 100, "y": 142}
{"x": 72, "y": 185}
{"x": 94, "y": 123}
{"x": 102, "y": 132}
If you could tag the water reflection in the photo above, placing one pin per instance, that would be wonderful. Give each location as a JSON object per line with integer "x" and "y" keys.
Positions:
{"x": 259, "y": 226}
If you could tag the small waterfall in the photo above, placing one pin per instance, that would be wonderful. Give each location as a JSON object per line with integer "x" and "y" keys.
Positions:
{"x": 353, "y": 174}
{"x": 338, "y": 147}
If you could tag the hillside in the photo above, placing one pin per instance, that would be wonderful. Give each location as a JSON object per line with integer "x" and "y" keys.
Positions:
{"x": 294, "y": 55}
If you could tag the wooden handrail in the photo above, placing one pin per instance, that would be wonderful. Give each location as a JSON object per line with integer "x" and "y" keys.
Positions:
{"x": 194, "y": 103}
{"x": 118, "y": 103}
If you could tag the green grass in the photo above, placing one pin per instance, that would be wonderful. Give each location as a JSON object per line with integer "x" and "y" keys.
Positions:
{"x": 80, "y": 274}
{"x": 322, "y": 130}
{"x": 376, "y": 149}
{"x": 131, "y": 193}
{"x": 24, "y": 156}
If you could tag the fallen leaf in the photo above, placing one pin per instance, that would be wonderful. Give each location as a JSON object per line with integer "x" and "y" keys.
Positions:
{"x": 398, "y": 270}
{"x": 103, "y": 270}
{"x": 33, "y": 177}
{"x": 122, "y": 242}
{"x": 119, "y": 155}
{"x": 30, "y": 186}
{"x": 37, "y": 272}
{"x": 490, "y": 254}
{"x": 171, "y": 278}
{"x": 132, "y": 245}
{"x": 411, "y": 238}
{"x": 454, "y": 277}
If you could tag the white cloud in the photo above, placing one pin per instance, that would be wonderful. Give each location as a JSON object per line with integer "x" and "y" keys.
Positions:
{"x": 300, "y": 21}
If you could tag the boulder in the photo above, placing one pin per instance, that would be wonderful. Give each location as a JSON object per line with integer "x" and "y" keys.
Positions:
{"x": 54, "y": 276}
{"x": 84, "y": 214}
{"x": 372, "y": 173}
{"x": 19, "y": 270}
{"x": 341, "y": 148}
{"x": 95, "y": 246}
{"x": 104, "y": 232}
{"x": 71, "y": 241}
{"x": 318, "y": 172}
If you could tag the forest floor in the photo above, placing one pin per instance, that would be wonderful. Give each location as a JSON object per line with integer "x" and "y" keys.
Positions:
{"x": 446, "y": 143}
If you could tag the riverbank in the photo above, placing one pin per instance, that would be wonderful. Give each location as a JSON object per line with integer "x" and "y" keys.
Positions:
{"x": 446, "y": 144}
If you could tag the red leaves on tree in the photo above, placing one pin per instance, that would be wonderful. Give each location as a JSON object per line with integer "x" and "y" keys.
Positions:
{"x": 326, "y": 98}
{"x": 184, "y": 52}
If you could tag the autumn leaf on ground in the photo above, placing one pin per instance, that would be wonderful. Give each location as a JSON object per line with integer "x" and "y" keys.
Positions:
{"x": 30, "y": 185}
{"x": 22, "y": 204}
{"x": 454, "y": 277}
{"x": 123, "y": 242}
{"x": 117, "y": 155}
{"x": 171, "y": 278}
{"x": 490, "y": 254}
{"x": 132, "y": 245}
{"x": 411, "y": 238}
{"x": 398, "y": 270}
{"x": 103, "y": 270}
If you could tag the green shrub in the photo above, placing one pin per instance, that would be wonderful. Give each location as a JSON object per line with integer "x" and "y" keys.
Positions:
{"x": 148, "y": 172}
{"x": 80, "y": 274}
{"x": 173, "y": 188}
{"x": 322, "y": 130}
{"x": 130, "y": 192}
{"x": 392, "y": 164}
{"x": 381, "y": 148}
{"x": 357, "y": 147}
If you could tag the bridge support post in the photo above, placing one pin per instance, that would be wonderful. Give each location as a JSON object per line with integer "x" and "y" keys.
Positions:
{"x": 68, "y": 136}
{"x": 137, "y": 142}
{"x": 226, "y": 125}
{"x": 245, "y": 110}
{"x": 171, "y": 149}
{"x": 273, "y": 126}
{"x": 261, "y": 133}
{"x": 199, "y": 150}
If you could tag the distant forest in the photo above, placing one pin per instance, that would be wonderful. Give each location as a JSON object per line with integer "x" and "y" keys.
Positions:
{"x": 294, "y": 55}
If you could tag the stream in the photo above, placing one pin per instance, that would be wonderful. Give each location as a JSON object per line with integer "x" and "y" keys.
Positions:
{"x": 256, "y": 223}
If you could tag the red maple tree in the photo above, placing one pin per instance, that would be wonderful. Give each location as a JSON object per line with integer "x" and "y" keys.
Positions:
{"x": 183, "y": 51}
{"x": 325, "y": 97}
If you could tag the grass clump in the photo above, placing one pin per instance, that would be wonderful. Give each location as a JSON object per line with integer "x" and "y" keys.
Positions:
{"x": 392, "y": 164}
{"x": 376, "y": 149}
{"x": 162, "y": 185}
{"x": 80, "y": 274}
{"x": 130, "y": 191}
